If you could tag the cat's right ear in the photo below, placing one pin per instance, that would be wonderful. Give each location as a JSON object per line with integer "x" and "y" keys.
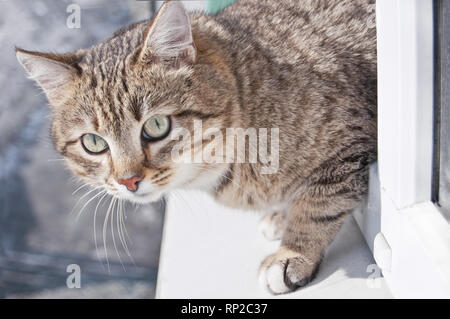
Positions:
{"x": 169, "y": 37}
{"x": 54, "y": 73}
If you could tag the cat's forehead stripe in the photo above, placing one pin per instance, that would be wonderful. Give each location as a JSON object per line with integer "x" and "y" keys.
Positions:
{"x": 117, "y": 47}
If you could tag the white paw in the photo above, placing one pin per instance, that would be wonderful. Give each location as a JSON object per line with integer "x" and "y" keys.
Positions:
{"x": 272, "y": 226}
{"x": 271, "y": 277}
{"x": 285, "y": 271}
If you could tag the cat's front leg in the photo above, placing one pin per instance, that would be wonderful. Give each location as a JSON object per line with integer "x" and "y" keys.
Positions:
{"x": 304, "y": 240}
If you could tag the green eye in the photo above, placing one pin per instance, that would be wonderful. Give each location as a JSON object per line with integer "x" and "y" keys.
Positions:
{"x": 94, "y": 144}
{"x": 156, "y": 128}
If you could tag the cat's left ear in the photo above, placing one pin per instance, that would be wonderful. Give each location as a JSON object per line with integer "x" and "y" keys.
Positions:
{"x": 169, "y": 37}
{"x": 55, "y": 73}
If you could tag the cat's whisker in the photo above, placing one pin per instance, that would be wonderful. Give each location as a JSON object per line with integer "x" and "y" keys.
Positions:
{"x": 87, "y": 203}
{"x": 105, "y": 227}
{"x": 89, "y": 192}
{"x": 125, "y": 231}
{"x": 121, "y": 229}
{"x": 95, "y": 231}
{"x": 125, "y": 234}
{"x": 113, "y": 212}
{"x": 77, "y": 180}
{"x": 120, "y": 226}
{"x": 79, "y": 188}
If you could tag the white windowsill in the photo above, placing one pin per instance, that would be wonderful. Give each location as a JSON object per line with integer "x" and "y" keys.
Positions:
{"x": 210, "y": 251}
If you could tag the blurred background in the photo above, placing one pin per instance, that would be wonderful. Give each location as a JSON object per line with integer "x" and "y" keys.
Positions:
{"x": 39, "y": 236}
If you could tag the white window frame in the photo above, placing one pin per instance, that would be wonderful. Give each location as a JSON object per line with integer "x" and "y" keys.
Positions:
{"x": 409, "y": 236}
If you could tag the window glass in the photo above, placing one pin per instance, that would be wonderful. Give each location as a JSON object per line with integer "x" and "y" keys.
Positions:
{"x": 442, "y": 114}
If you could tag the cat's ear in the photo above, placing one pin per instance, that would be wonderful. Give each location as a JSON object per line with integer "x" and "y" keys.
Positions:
{"x": 55, "y": 73}
{"x": 169, "y": 37}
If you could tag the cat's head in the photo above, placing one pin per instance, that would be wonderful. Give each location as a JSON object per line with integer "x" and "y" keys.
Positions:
{"x": 116, "y": 106}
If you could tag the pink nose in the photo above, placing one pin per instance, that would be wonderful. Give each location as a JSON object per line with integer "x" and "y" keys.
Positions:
{"x": 131, "y": 183}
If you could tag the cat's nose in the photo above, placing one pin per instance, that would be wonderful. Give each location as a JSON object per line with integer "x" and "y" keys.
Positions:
{"x": 131, "y": 183}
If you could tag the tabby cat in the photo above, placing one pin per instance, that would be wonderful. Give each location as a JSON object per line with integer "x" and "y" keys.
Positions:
{"x": 307, "y": 68}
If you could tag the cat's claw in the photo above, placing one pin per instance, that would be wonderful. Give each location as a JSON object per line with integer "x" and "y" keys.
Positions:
{"x": 272, "y": 226}
{"x": 286, "y": 271}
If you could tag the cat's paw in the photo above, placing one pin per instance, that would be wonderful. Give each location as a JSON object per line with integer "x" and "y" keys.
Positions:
{"x": 272, "y": 226}
{"x": 286, "y": 271}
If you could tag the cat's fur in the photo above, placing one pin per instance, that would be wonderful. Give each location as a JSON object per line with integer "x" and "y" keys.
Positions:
{"x": 306, "y": 67}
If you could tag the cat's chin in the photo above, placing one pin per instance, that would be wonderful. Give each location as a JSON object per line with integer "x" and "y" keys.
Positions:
{"x": 144, "y": 198}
